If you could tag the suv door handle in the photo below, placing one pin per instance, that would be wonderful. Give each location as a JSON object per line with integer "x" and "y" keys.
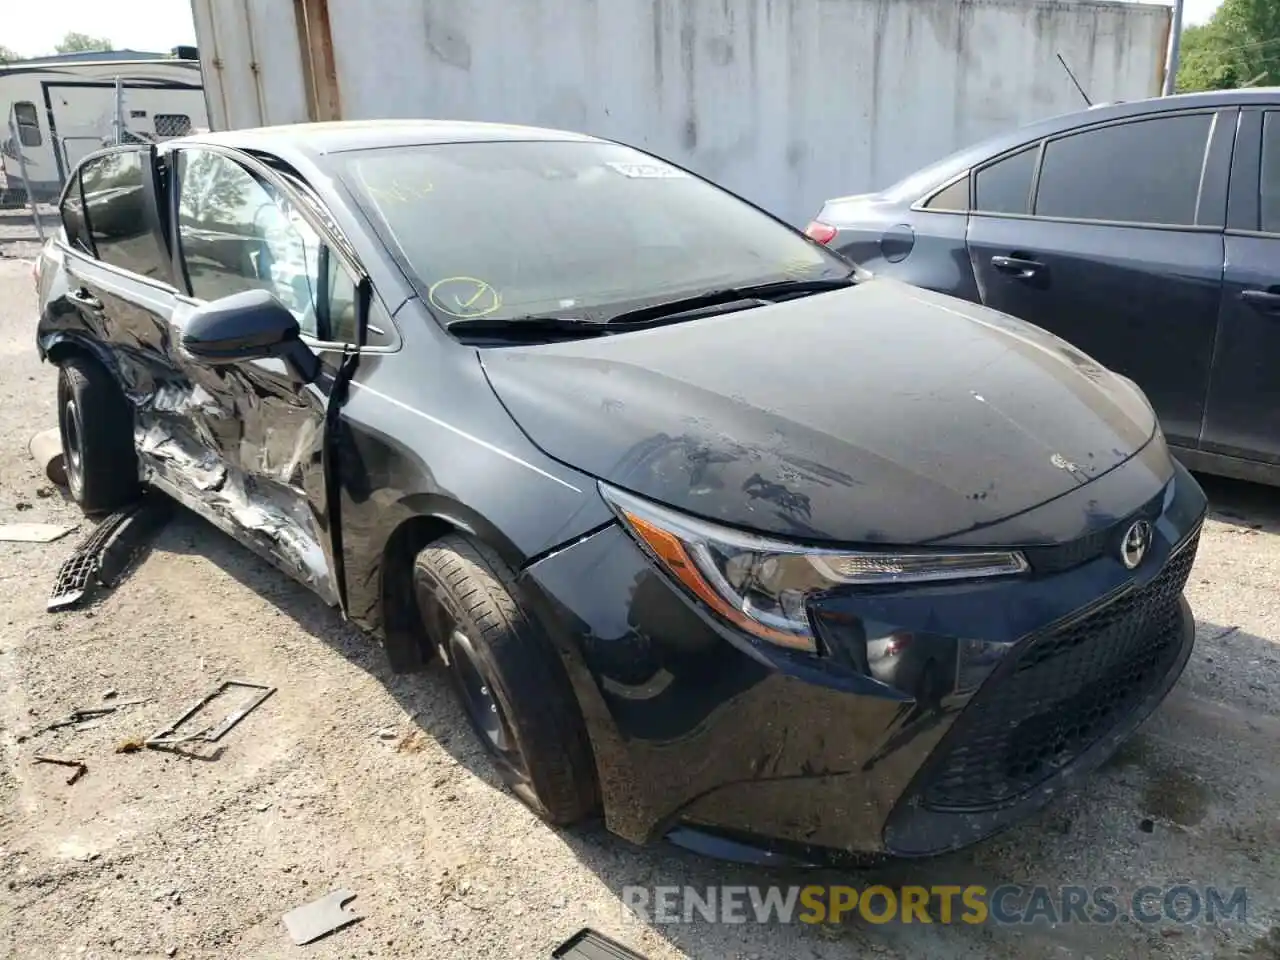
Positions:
{"x": 1018, "y": 267}
{"x": 85, "y": 299}
{"x": 1262, "y": 300}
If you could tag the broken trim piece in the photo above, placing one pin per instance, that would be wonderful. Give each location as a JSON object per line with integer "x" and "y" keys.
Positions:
{"x": 107, "y": 552}
{"x": 587, "y": 944}
{"x": 169, "y": 737}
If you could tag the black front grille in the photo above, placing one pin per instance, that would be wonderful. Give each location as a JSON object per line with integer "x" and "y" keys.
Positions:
{"x": 1064, "y": 691}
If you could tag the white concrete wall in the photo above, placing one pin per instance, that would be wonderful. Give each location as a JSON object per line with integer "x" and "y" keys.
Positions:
{"x": 787, "y": 102}
{"x": 251, "y": 62}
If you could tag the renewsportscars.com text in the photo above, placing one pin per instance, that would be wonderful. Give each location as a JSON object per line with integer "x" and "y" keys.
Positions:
{"x": 1007, "y": 905}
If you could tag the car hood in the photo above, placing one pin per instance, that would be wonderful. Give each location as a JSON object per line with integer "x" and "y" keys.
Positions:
{"x": 878, "y": 414}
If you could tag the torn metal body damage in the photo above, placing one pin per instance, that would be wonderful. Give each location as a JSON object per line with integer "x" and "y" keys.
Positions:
{"x": 179, "y": 436}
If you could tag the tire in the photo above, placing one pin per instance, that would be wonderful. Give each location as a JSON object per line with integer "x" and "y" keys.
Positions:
{"x": 508, "y": 677}
{"x": 96, "y": 425}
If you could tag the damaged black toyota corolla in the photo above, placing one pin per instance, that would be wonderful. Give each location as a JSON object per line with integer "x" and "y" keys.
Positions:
{"x": 714, "y": 534}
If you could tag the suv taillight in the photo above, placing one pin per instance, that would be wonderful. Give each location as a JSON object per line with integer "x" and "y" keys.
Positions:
{"x": 822, "y": 232}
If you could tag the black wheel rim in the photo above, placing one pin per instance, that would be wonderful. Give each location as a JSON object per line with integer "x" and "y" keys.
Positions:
{"x": 478, "y": 698}
{"x": 71, "y": 447}
{"x": 484, "y": 708}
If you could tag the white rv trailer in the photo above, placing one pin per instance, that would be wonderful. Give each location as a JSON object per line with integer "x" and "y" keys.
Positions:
{"x": 67, "y": 106}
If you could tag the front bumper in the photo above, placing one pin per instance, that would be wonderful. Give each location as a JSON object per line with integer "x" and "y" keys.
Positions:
{"x": 1006, "y": 691}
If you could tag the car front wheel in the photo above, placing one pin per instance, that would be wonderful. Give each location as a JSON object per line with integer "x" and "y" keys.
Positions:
{"x": 96, "y": 426}
{"x": 508, "y": 677}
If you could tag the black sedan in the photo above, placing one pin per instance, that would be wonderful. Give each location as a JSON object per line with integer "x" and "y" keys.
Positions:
{"x": 1147, "y": 234}
{"x": 713, "y": 533}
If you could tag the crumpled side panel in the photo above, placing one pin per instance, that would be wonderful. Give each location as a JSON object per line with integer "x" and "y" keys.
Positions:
{"x": 178, "y": 433}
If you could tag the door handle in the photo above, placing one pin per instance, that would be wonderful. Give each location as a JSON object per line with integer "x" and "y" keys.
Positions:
{"x": 1020, "y": 268}
{"x": 1263, "y": 301}
{"x": 85, "y": 299}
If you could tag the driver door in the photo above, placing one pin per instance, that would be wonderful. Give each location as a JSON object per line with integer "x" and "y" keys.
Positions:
{"x": 238, "y": 227}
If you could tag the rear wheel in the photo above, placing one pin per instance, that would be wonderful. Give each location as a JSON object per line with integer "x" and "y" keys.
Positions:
{"x": 508, "y": 677}
{"x": 96, "y": 426}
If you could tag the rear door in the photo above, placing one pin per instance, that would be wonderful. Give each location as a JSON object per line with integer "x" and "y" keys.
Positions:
{"x": 120, "y": 292}
{"x": 1242, "y": 417}
{"x": 1116, "y": 245}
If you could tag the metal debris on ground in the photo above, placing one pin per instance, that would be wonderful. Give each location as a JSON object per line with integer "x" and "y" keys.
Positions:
{"x": 108, "y": 551}
{"x": 169, "y": 736}
{"x": 79, "y": 717}
{"x": 309, "y": 923}
{"x": 81, "y": 767}
{"x": 587, "y": 944}
{"x": 46, "y": 449}
{"x": 33, "y": 532}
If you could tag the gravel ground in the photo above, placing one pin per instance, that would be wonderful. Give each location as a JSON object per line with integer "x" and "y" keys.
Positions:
{"x": 351, "y": 777}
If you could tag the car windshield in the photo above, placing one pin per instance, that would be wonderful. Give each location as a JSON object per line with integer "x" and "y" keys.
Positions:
{"x": 511, "y": 229}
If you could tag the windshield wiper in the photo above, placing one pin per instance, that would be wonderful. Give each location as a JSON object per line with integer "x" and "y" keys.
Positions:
{"x": 724, "y": 300}
{"x": 528, "y": 327}
{"x": 758, "y": 294}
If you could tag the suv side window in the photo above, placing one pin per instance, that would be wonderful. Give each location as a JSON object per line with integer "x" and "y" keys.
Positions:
{"x": 115, "y": 213}
{"x": 1142, "y": 171}
{"x": 1269, "y": 185}
{"x": 1005, "y": 186}
{"x": 28, "y": 120}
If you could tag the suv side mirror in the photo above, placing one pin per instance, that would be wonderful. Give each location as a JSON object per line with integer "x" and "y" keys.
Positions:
{"x": 251, "y": 325}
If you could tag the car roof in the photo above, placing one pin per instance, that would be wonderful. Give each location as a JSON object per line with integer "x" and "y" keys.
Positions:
{"x": 934, "y": 174}
{"x": 339, "y": 136}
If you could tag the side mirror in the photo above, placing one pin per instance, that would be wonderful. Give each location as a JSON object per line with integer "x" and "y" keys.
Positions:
{"x": 252, "y": 325}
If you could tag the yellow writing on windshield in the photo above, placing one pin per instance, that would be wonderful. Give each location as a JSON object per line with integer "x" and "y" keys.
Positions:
{"x": 464, "y": 297}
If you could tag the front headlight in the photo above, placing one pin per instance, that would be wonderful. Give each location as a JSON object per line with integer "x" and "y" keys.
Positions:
{"x": 763, "y": 586}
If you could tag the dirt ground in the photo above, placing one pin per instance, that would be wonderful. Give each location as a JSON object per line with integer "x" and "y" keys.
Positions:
{"x": 350, "y": 777}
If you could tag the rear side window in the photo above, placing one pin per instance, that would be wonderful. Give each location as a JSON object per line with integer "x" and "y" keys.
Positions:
{"x": 28, "y": 120}
{"x": 1269, "y": 188}
{"x": 115, "y": 213}
{"x": 1144, "y": 171}
{"x": 1005, "y": 186}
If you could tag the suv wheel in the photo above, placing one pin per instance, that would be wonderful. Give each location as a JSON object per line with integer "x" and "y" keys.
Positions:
{"x": 96, "y": 425}
{"x": 508, "y": 677}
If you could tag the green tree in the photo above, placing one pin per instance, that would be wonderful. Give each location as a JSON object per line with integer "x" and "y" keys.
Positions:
{"x": 81, "y": 43}
{"x": 1240, "y": 45}
{"x": 8, "y": 55}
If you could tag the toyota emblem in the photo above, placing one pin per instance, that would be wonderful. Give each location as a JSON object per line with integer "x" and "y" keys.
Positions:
{"x": 1134, "y": 546}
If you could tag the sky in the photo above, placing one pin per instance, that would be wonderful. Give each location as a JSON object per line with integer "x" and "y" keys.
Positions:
{"x": 1198, "y": 11}
{"x": 152, "y": 25}
{"x": 160, "y": 25}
